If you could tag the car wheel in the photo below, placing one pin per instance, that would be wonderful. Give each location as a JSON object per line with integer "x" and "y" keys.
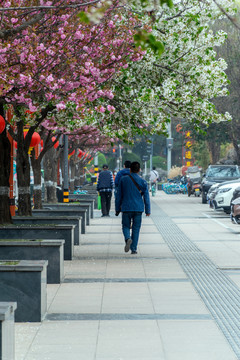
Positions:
{"x": 227, "y": 211}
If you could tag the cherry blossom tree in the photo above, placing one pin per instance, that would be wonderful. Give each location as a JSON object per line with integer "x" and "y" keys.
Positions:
{"x": 56, "y": 65}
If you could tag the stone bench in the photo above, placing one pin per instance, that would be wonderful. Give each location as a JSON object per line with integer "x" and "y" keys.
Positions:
{"x": 56, "y": 220}
{"x": 25, "y": 282}
{"x": 7, "y": 333}
{"x": 62, "y": 212}
{"x": 69, "y": 206}
{"x": 42, "y": 232}
{"x": 51, "y": 250}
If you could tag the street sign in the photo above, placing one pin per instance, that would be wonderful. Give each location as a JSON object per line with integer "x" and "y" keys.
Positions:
{"x": 149, "y": 148}
{"x": 145, "y": 158}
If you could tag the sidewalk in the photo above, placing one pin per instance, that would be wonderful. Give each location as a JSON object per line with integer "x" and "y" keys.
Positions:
{"x": 118, "y": 306}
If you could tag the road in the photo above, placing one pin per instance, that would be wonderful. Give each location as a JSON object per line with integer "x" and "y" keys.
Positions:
{"x": 211, "y": 231}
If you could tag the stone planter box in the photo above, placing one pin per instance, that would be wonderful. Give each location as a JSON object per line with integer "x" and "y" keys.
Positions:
{"x": 60, "y": 220}
{"x": 63, "y": 212}
{"x": 80, "y": 197}
{"x": 84, "y": 202}
{"x": 67, "y": 207}
{"x": 25, "y": 282}
{"x": 51, "y": 250}
{"x": 7, "y": 333}
{"x": 42, "y": 232}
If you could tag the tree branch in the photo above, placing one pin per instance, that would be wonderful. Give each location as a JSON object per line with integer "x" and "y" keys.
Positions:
{"x": 50, "y": 7}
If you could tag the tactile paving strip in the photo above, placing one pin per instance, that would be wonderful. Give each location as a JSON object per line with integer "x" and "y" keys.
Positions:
{"x": 219, "y": 293}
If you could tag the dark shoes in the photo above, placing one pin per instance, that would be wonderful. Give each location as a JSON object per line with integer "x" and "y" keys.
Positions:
{"x": 134, "y": 252}
{"x": 128, "y": 244}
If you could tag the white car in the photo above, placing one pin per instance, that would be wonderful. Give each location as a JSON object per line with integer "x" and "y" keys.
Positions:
{"x": 223, "y": 196}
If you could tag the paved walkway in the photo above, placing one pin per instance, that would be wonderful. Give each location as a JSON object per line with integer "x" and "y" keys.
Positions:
{"x": 162, "y": 303}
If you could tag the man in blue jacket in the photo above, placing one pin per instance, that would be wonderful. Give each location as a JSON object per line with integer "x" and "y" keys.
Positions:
{"x": 132, "y": 198}
{"x": 104, "y": 187}
{"x": 124, "y": 171}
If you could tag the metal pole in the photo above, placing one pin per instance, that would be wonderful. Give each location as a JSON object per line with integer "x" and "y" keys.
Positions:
{"x": 11, "y": 180}
{"x": 96, "y": 166}
{"x": 65, "y": 177}
{"x": 151, "y": 155}
{"x": 169, "y": 150}
{"x": 120, "y": 157}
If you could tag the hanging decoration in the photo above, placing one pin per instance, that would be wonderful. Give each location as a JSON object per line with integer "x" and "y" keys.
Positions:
{"x": 35, "y": 139}
{"x": 2, "y": 124}
{"x": 188, "y": 149}
{"x": 72, "y": 153}
{"x": 57, "y": 143}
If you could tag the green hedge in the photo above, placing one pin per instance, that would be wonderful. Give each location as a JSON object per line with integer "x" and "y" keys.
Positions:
{"x": 158, "y": 162}
{"x": 131, "y": 157}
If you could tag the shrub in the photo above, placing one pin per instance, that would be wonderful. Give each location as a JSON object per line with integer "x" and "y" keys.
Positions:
{"x": 101, "y": 160}
{"x": 158, "y": 162}
{"x": 131, "y": 157}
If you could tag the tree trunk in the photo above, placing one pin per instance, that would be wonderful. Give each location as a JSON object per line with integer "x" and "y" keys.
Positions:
{"x": 23, "y": 175}
{"x": 237, "y": 149}
{"x": 5, "y": 154}
{"x": 37, "y": 192}
{"x": 214, "y": 149}
{"x": 50, "y": 164}
{"x": 77, "y": 175}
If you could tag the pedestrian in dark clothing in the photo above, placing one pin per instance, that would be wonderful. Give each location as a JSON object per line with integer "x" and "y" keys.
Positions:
{"x": 124, "y": 171}
{"x": 105, "y": 185}
{"x": 131, "y": 199}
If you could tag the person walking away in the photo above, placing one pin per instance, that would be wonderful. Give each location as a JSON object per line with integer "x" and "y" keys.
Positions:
{"x": 105, "y": 185}
{"x": 124, "y": 171}
{"x": 153, "y": 177}
{"x": 132, "y": 198}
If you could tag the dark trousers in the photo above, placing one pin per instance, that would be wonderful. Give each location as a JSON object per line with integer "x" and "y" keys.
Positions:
{"x": 106, "y": 197}
{"x": 135, "y": 218}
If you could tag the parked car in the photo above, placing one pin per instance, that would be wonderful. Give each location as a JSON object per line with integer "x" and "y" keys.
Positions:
{"x": 218, "y": 174}
{"x": 224, "y": 195}
{"x": 235, "y": 206}
{"x": 212, "y": 192}
{"x": 236, "y": 193}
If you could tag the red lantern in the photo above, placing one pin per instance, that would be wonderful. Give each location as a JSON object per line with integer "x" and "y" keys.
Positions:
{"x": 35, "y": 139}
{"x": 2, "y": 124}
{"x": 57, "y": 143}
{"x": 41, "y": 143}
{"x": 15, "y": 144}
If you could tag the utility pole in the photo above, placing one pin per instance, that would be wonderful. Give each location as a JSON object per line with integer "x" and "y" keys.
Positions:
{"x": 65, "y": 177}
{"x": 151, "y": 155}
{"x": 169, "y": 148}
{"x": 120, "y": 157}
{"x": 96, "y": 166}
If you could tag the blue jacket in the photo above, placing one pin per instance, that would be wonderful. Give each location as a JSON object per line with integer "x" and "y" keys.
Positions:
{"x": 121, "y": 173}
{"x": 105, "y": 181}
{"x": 128, "y": 197}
